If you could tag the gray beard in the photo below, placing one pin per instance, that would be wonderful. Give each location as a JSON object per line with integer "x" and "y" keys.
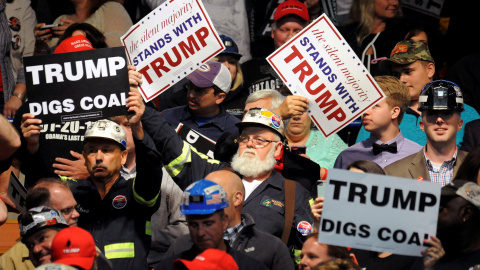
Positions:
{"x": 253, "y": 166}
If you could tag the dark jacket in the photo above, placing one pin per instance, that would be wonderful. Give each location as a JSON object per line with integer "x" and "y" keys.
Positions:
{"x": 266, "y": 204}
{"x": 243, "y": 261}
{"x": 120, "y": 222}
{"x": 213, "y": 129}
{"x": 268, "y": 249}
{"x": 250, "y": 241}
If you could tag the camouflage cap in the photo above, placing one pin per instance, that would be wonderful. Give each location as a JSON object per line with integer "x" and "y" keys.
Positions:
{"x": 409, "y": 51}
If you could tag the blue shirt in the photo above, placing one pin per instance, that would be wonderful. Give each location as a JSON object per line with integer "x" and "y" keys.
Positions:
{"x": 364, "y": 151}
{"x": 322, "y": 150}
{"x": 410, "y": 126}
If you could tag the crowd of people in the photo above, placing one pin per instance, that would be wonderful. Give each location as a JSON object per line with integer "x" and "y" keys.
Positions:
{"x": 134, "y": 194}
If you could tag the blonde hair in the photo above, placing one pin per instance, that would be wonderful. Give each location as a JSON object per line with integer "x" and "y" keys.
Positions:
{"x": 396, "y": 92}
{"x": 238, "y": 81}
{"x": 363, "y": 13}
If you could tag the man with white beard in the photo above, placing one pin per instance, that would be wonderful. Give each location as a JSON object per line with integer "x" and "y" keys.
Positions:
{"x": 274, "y": 202}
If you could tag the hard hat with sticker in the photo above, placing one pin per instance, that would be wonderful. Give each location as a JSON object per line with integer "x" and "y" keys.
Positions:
{"x": 203, "y": 197}
{"x": 263, "y": 118}
{"x": 106, "y": 129}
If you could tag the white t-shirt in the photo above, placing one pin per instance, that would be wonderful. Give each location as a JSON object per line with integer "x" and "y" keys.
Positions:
{"x": 250, "y": 187}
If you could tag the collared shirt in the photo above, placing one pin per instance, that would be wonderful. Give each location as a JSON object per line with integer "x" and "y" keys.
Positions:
{"x": 443, "y": 175}
{"x": 230, "y": 234}
{"x": 364, "y": 151}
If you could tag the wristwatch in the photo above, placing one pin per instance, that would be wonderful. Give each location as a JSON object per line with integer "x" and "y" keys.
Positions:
{"x": 20, "y": 96}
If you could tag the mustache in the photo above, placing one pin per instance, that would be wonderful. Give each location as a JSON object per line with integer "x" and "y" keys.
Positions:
{"x": 248, "y": 150}
{"x": 39, "y": 255}
{"x": 99, "y": 166}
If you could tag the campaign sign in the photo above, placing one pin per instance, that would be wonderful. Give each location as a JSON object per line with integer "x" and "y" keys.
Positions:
{"x": 379, "y": 213}
{"x": 169, "y": 43}
{"x": 319, "y": 64}
{"x": 86, "y": 85}
{"x": 69, "y": 91}
{"x": 17, "y": 193}
{"x": 202, "y": 143}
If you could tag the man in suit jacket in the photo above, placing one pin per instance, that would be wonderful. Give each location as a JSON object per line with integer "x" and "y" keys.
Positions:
{"x": 440, "y": 103}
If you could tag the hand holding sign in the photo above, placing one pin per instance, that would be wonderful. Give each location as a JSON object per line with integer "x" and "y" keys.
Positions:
{"x": 75, "y": 169}
{"x": 135, "y": 105}
{"x": 317, "y": 209}
{"x": 292, "y": 105}
{"x": 31, "y": 131}
{"x": 432, "y": 254}
{"x": 134, "y": 78}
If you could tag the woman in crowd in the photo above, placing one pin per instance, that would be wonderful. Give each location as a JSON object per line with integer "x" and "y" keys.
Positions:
{"x": 373, "y": 29}
{"x": 109, "y": 17}
{"x": 301, "y": 131}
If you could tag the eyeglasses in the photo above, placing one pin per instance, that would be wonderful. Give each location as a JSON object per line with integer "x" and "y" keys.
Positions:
{"x": 68, "y": 211}
{"x": 258, "y": 142}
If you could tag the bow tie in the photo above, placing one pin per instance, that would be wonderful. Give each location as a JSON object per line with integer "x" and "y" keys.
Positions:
{"x": 378, "y": 148}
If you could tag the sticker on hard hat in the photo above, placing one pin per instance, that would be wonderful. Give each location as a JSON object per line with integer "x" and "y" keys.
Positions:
{"x": 211, "y": 189}
{"x": 266, "y": 113}
{"x": 186, "y": 196}
{"x": 304, "y": 228}
{"x": 275, "y": 121}
{"x": 213, "y": 199}
{"x": 119, "y": 202}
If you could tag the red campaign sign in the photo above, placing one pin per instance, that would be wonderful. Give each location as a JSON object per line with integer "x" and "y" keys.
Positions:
{"x": 320, "y": 65}
{"x": 169, "y": 43}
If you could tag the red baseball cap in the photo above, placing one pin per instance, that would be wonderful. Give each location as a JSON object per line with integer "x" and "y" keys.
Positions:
{"x": 291, "y": 7}
{"x": 210, "y": 259}
{"x": 74, "y": 44}
{"x": 74, "y": 246}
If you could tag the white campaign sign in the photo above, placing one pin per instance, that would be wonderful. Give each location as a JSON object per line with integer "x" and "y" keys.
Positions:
{"x": 319, "y": 64}
{"x": 169, "y": 43}
{"x": 379, "y": 213}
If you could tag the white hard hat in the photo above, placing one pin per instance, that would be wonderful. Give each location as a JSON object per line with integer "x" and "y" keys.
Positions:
{"x": 263, "y": 118}
{"x": 106, "y": 129}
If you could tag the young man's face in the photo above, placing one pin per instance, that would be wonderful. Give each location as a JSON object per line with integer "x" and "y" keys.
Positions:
{"x": 207, "y": 230}
{"x": 415, "y": 76}
{"x": 379, "y": 117}
{"x": 286, "y": 29}
{"x": 441, "y": 126}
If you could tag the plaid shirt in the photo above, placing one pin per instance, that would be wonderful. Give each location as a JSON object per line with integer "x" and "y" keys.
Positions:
{"x": 231, "y": 234}
{"x": 443, "y": 175}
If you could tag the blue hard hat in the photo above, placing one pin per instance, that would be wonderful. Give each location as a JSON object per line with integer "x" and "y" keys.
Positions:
{"x": 230, "y": 46}
{"x": 203, "y": 197}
